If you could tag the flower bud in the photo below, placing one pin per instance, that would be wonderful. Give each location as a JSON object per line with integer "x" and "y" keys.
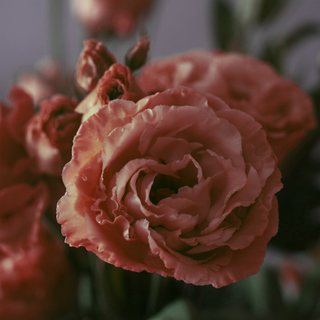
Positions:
{"x": 137, "y": 54}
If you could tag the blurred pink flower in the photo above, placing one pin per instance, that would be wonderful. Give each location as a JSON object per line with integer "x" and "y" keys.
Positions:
{"x": 118, "y": 17}
{"x": 50, "y": 132}
{"x": 284, "y": 110}
{"x": 38, "y": 282}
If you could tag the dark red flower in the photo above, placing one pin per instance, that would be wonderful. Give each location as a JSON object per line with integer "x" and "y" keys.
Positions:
{"x": 50, "y": 133}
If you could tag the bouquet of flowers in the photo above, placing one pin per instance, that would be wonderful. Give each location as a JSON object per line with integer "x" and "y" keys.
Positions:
{"x": 151, "y": 189}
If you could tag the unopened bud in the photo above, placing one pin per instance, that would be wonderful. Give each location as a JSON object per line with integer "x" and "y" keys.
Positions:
{"x": 137, "y": 55}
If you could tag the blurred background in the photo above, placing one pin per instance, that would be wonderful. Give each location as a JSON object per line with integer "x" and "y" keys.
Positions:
{"x": 174, "y": 27}
{"x": 25, "y": 32}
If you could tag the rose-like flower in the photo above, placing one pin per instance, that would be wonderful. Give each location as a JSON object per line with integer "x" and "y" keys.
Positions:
{"x": 116, "y": 83}
{"x": 37, "y": 283}
{"x": 94, "y": 60}
{"x": 244, "y": 83}
{"x": 118, "y": 17}
{"x": 177, "y": 183}
{"x": 50, "y": 132}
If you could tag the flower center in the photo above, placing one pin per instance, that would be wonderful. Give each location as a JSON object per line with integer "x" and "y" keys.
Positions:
{"x": 163, "y": 187}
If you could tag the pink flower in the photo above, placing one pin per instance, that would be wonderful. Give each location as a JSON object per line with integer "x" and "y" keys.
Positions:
{"x": 177, "y": 183}
{"x": 50, "y": 132}
{"x": 38, "y": 282}
{"x": 118, "y": 17}
{"x": 283, "y": 109}
{"x": 94, "y": 60}
{"x": 22, "y": 197}
{"x": 116, "y": 83}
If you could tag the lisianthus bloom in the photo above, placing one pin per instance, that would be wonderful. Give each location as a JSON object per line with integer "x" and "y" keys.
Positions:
{"x": 50, "y": 132}
{"x": 21, "y": 194}
{"x": 119, "y": 17}
{"x": 94, "y": 60}
{"x": 177, "y": 183}
{"x": 283, "y": 109}
{"x": 116, "y": 83}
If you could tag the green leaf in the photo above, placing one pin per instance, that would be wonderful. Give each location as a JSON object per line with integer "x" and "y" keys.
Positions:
{"x": 178, "y": 310}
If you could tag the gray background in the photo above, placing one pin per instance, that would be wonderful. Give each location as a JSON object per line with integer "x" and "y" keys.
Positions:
{"x": 175, "y": 26}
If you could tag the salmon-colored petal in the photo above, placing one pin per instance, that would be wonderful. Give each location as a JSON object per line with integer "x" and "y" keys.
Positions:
{"x": 177, "y": 183}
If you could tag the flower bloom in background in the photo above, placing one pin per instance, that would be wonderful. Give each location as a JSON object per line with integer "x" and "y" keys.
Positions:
{"x": 37, "y": 283}
{"x": 36, "y": 280}
{"x": 48, "y": 138}
{"x": 283, "y": 109}
{"x": 50, "y": 132}
{"x": 177, "y": 183}
{"x": 119, "y": 17}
